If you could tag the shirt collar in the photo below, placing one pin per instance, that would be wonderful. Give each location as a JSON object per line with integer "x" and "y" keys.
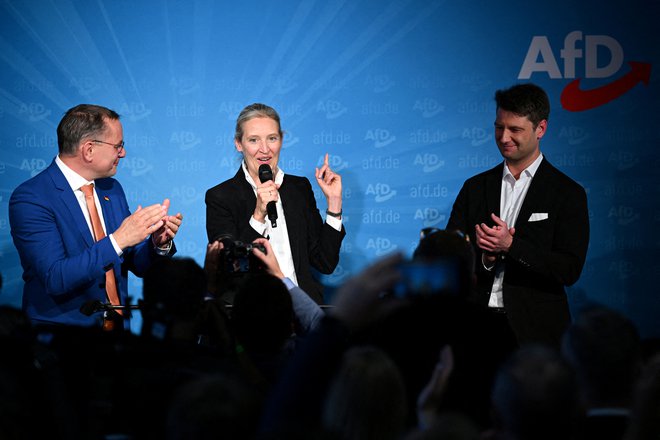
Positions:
{"x": 74, "y": 179}
{"x": 530, "y": 171}
{"x": 279, "y": 177}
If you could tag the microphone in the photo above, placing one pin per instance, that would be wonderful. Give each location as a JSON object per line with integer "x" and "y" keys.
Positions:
{"x": 266, "y": 174}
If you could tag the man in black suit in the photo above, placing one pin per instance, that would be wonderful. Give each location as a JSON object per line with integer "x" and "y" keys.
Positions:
{"x": 528, "y": 222}
{"x": 238, "y": 207}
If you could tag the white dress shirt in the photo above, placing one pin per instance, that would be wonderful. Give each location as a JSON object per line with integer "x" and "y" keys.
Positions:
{"x": 76, "y": 181}
{"x": 279, "y": 236}
{"x": 512, "y": 197}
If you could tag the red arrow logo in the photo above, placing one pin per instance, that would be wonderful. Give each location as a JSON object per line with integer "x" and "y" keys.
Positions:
{"x": 575, "y": 100}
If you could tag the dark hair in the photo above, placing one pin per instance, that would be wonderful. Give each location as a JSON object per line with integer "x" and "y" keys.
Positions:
{"x": 535, "y": 395}
{"x": 443, "y": 243}
{"x": 252, "y": 111}
{"x": 80, "y": 122}
{"x": 605, "y": 349}
{"x": 452, "y": 247}
{"x": 527, "y": 100}
{"x": 214, "y": 406}
{"x": 174, "y": 287}
{"x": 367, "y": 396}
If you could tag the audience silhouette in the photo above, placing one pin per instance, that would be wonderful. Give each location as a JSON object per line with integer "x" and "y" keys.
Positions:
{"x": 605, "y": 351}
{"x": 249, "y": 356}
{"x": 366, "y": 398}
{"x": 535, "y": 397}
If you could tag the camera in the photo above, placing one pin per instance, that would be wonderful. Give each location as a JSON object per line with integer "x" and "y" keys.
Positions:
{"x": 237, "y": 257}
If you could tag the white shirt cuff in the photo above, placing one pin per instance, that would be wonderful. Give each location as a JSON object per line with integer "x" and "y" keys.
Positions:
{"x": 116, "y": 246}
{"x": 258, "y": 226}
{"x": 162, "y": 250}
{"x": 334, "y": 222}
{"x": 483, "y": 263}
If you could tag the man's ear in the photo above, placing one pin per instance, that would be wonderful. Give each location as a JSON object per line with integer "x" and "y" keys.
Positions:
{"x": 86, "y": 151}
{"x": 541, "y": 128}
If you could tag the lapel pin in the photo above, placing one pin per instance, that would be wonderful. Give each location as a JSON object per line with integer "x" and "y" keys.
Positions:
{"x": 106, "y": 198}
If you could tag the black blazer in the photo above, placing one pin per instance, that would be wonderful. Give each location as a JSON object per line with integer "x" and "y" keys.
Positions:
{"x": 545, "y": 256}
{"x": 230, "y": 205}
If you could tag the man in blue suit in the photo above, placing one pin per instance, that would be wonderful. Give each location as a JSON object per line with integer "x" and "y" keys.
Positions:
{"x": 528, "y": 223}
{"x": 64, "y": 266}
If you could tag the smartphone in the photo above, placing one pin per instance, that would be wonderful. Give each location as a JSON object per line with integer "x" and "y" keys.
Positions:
{"x": 426, "y": 278}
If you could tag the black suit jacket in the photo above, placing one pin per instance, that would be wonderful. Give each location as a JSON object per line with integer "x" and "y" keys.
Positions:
{"x": 545, "y": 255}
{"x": 230, "y": 205}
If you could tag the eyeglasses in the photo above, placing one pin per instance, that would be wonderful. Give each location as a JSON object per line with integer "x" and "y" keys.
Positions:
{"x": 119, "y": 147}
{"x": 426, "y": 232}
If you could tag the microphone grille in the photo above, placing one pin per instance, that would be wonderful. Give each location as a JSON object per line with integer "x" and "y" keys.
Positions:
{"x": 265, "y": 173}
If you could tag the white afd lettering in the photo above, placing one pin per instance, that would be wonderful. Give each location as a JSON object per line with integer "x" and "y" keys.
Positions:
{"x": 540, "y": 57}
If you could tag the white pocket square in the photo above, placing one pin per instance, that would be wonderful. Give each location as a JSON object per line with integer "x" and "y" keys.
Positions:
{"x": 538, "y": 216}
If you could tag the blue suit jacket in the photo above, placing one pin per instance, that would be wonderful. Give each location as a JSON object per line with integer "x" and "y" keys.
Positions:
{"x": 63, "y": 267}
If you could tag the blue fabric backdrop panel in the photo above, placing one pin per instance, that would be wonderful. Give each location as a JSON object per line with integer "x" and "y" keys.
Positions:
{"x": 399, "y": 93}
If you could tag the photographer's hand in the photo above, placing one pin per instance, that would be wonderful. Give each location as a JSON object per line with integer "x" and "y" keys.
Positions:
{"x": 272, "y": 266}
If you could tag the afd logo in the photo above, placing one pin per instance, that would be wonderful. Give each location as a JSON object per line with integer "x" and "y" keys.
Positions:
{"x": 289, "y": 140}
{"x": 381, "y": 137}
{"x": 34, "y": 166}
{"x": 428, "y": 161}
{"x": 134, "y": 111}
{"x": 35, "y": 111}
{"x": 190, "y": 248}
{"x": 429, "y": 107}
{"x": 477, "y": 136}
{"x": 186, "y": 140}
{"x": 284, "y": 86}
{"x": 540, "y": 58}
{"x": 624, "y": 269}
{"x": 186, "y": 194}
{"x": 429, "y": 216}
{"x": 137, "y": 165}
{"x": 624, "y": 215}
{"x": 379, "y": 83}
{"x": 382, "y": 192}
{"x": 230, "y": 109}
{"x": 380, "y": 246}
{"x": 85, "y": 85}
{"x": 332, "y": 109}
{"x": 574, "y": 135}
{"x": 336, "y": 162}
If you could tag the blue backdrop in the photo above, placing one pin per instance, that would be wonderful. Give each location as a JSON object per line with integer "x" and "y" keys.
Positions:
{"x": 400, "y": 93}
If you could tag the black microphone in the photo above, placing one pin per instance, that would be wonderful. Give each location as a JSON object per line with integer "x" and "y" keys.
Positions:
{"x": 90, "y": 307}
{"x": 266, "y": 174}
